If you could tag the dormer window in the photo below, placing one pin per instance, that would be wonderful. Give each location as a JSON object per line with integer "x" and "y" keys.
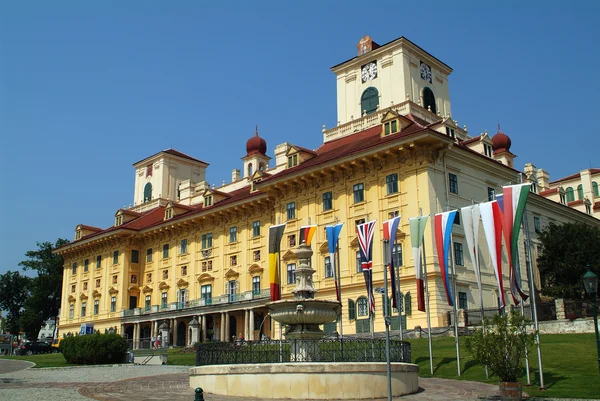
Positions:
{"x": 390, "y": 127}
{"x": 208, "y": 201}
{"x": 450, "y": 132}
{"x": 77, "y": 235}
{"x": 168, "y": 214}
{"x": 487, "y": 149}
{"x": 118, "y": 220}
{"x": 292, "y": 160}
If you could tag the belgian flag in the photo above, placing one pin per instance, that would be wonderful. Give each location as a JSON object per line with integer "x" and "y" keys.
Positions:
{"x": 275, "y": 234}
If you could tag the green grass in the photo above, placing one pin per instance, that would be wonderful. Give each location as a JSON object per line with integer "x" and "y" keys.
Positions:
{"x": 42, "y": 361}
{"x": 569, "y": 361}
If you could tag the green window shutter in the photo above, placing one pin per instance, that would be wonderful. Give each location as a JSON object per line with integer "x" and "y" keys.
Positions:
{"x": 351, "y": 310}
{"x": 407, "y": 305}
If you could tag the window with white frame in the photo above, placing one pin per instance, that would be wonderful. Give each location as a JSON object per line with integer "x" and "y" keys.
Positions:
{"x": 328, "y": 267}
{"x": 291, "y": 273}
{"x": 361, "y": 307}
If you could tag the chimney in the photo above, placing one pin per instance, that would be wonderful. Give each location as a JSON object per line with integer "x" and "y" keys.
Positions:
{"x": 235, "y": 175}
{"x": 543, "y": 179}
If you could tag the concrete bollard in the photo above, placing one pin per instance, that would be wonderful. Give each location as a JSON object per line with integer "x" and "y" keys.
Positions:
{"x": 199, "y": 395}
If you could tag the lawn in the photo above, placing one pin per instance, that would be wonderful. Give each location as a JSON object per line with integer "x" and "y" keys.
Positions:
{"x": 42, "y": 361}
{"x": 569, "y": 361}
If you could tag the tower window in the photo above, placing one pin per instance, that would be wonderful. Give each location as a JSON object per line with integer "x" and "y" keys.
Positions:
{"x": 429, "y": 99}
{"x": 369, "y": 101}
{"x": 148, "y": 192}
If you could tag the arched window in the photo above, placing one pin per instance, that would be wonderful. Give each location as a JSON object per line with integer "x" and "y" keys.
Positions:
{"x": 429, "y": 99}
{"x": 595, "y": 188}
{"x": 369, "y": 100}
{"x": 261, "y": 167}
{"x": 148, "y": 192}
{"x": 570, "y": 194}
{"x": 250, "y": 171}
{"x": 361, "y": 306}
{"x": 579, "y": 191}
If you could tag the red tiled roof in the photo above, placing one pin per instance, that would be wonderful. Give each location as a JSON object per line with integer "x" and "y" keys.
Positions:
{"x": 174, "y": 153}
{"x": 548, "y": 192}
{"x": 593, "y": 171}
{"x": 347, "y": 146}
{"x": 468, "y": 141}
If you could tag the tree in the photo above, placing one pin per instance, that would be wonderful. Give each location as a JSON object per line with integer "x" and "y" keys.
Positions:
{"x": 566, "y": 250}
{"x": 14, "y": 291}
{"x": 47, "y": 286}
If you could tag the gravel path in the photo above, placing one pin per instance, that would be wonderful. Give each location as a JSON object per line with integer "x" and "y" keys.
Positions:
{"x": 20, "y": 383}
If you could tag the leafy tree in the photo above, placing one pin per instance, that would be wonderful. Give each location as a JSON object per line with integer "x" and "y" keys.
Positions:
{"x": 566, "y": 250}
{"x": 14, "y": 290}
{"x": 46, "y": 288}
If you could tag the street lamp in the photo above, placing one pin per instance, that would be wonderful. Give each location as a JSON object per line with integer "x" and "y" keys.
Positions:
{"x": 590, "y": 282}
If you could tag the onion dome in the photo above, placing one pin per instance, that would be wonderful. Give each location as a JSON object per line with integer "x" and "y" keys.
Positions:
{"x": 501, "y": 142}
{"x": 256, "y": 145}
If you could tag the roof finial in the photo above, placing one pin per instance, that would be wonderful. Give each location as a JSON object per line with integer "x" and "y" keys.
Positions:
{"x": 256, "y": 132}
{"x": 498, "y": 127}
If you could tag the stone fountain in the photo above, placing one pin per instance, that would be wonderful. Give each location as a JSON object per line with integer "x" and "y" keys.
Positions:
{"x": 305, "y": 378}
{"x": 303, "y": 314}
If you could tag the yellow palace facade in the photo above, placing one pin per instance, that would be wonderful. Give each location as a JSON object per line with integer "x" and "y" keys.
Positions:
{"x": 190, "y": 255}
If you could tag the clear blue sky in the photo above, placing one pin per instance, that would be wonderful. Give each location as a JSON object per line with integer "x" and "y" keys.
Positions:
{"x": 88, "y": 88}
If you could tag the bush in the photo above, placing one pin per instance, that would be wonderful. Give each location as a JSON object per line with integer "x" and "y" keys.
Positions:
{"x": 501, "y": 345}
{"x": 94, "y": 349}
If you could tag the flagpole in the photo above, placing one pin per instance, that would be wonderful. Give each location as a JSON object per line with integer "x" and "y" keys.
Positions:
{"x": 424, "y": 264}
{"x": 339, "y": 282}
{"x": 280, "y": 328}
{"x": 454, "y": 303}
{"x": 532, "y": 300}
{"x": 386, "y": 317}
{"x": 478, "y": 267}
{"x": 397, "y": 289}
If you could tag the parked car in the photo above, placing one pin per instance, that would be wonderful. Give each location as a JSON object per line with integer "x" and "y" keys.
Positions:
{"x": 34, "y": 347}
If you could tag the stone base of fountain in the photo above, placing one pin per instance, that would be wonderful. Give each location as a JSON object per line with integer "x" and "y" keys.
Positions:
{"x": 307, "y": 381}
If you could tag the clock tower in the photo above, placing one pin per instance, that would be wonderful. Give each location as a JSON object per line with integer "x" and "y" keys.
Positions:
{"x": 381, "y": 76}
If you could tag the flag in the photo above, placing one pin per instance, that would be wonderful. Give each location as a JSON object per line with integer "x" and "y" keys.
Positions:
{"x": 470, "y": 217}
{"x": 333, "y": 234}
{"x": 491, "y": 219}
{"x": 275, "y": 234}
{"x": 365, "y": 241}
{"x": 306, "y": 234}
{"x": 390, "y": 229}
{"x": 442, "y": 224}
{"x": 417, "y": 230}
{"x": 515, "y": 198}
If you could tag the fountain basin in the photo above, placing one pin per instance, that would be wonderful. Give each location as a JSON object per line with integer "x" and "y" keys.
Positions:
{"x": 304, "y": 311}
{"x": 307, "y": 381}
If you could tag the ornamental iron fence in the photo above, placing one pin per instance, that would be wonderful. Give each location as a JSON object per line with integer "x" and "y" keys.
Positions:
{"x": 286, "y": 351}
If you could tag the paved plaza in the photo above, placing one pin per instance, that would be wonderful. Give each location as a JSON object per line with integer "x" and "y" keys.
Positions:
{"x": 149, "y": 383}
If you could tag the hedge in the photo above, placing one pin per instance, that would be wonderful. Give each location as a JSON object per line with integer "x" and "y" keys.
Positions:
{"x": 94, "y": 349}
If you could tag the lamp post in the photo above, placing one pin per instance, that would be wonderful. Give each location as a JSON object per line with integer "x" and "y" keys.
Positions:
{"x": 590, "y": 282}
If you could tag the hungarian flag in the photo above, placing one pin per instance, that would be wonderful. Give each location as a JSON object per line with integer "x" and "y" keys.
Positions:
{"x": 515, "y": 198}
{"x": 333, "y": 234}
{"x": 417, "y": 230}
{"x": 470, "y": 218}
{"x": 365, "y": 241}
{"x": 491, "y": 219}
{"x": 307, "y": 233}
{"x": 442, "y": 223}
{"x": 275, "y": 234}
{"x": 390, "y": 229}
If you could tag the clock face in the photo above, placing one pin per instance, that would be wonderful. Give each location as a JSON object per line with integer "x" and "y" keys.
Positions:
{"x": 369, "y": 71}
{"x": 425, "y": 72}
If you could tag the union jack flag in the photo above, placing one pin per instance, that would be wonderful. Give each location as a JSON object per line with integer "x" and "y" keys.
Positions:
{"x": 365, "y": 241}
